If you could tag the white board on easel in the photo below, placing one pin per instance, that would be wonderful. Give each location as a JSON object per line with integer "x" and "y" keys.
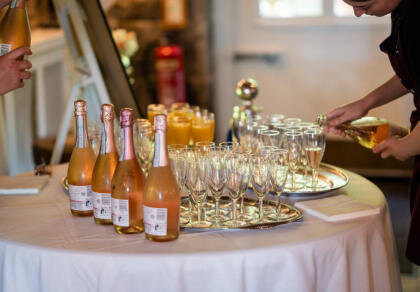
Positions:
{"x": 92, "y": 48}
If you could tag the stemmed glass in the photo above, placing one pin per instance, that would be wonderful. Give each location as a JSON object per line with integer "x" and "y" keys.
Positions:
{"x": 229, "y": 146}
{"x": 197, "y": 183}
{"x": 237, "y": 167}
{"x": 205, "y": 146}
{"x": 314, "y": 144}
{"x": 258, "y": 138}
{"x": 246, "y": 134}
{"x": 271, "y": 138}
{"x": 178, "y": 166}
{"x": 260, "y": 178}
{"x": 294, "y": 141}
{"x": 278, "y": 175}
{"x": 292, "y": 121}
{"x": 144, "y": 145}
{"x": 95, "y": 131}
{"x": 217, "y": 176}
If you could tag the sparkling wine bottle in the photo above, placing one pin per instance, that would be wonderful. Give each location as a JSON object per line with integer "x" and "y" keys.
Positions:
{"x": 14, "y": 28}
{"x": 162, "y": 200}
{"x": 368, "y": 131}
{"x": 127, "y": 183}
{"x": 82, "y": 161}
{"x": 104, "y": 168}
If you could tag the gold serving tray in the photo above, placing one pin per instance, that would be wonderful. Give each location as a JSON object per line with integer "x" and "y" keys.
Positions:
{"x": 330, "y": 178}
{"x": 65, "y": 184}
{"x": 289, "y": 214}
{"x": 251, "y": 207}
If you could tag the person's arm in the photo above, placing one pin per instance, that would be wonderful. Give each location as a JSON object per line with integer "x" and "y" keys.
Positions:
{"x": 13, "y": 69}
{"x": 387, "y": 92}
{"x": 4, "y": 3}
{"x": 400, "y": 148}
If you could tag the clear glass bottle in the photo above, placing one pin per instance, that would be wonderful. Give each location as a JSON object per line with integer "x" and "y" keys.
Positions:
{"x": 104, "y": 168}
{"x": 127, "y": 183}
{"x": 82, "y": 161}
{"x": 162, "y": 199}
{"x": 15, "y": 31}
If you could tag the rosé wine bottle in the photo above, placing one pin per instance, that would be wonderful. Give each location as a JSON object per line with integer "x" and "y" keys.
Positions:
{"x": 14, "y": 28}
{"x": 104, "y": 168}
{"x": 127, "y": 182}
{"x": 162, "y": 200}
{"x": 82, "y": 161}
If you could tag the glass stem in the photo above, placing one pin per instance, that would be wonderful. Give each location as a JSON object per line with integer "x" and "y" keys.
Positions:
{"x": 234, "y": 209}
{"x": 261, "y": 217}
{"x": 242, "y": 205}
{"x": 314, "y": 178}
{"x": 217, "y": 206}
{"x": 199, "y": 211}
{"x": 294, "y": 180}
{"x": 278, "y": 207}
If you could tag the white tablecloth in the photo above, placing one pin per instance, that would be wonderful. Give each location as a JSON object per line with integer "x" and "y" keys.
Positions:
{"x": 44, "y": 248}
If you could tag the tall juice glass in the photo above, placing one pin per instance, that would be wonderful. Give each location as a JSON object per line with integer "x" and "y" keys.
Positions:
{"x": 127, "y": 183}
{"x": 162, "y": 200}
{"x": 153, "y": 110}
{"x": 202, "y": 131}
{"x": 104, "y": 168}
{"x": 82, "y": 162}
{"x": 179, "y": 130}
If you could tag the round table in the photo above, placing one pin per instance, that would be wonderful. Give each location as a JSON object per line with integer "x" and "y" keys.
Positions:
{"x": 44, "y": 248}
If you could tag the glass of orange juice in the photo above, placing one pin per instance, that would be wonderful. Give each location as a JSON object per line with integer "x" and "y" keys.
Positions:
{"x": 153, "y": 110}
{"x": 202, "y": 130}
{"x": 210, "y": 118}
{"x": 179, "y": 130}
{"x": 179, "y": 105}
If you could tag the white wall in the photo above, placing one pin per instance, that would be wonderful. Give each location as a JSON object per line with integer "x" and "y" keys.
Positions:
{"x": 321, "y": 66}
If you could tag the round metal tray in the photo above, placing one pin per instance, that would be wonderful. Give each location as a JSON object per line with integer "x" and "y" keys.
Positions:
{"x": 251, "y": 207}
{"x": 65, "y": 184}
{"x": 330, "y": 178}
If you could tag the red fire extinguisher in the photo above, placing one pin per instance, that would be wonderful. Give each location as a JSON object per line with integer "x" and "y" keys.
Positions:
{"x": 170, "y": 74}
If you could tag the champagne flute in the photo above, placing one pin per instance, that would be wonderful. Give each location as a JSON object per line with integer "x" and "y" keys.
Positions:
{"x": 144, "y": 145}
{"x": 229, "y": 146}
{"x": 94, "y": 133}
{"x": 246, "y": 134}
{"x": 294, "y": 141}
{"x": 178, "y": 166}
{"x": 278, "y": 175}
{"x": 292, "y": 121}
{"x": 205, "y": 146}
{"x": 217, "y": 176}
{"x": 258, "y": 139}
{"x": 197, "y": 183}
{"x": 237, "y": 166}
{"x": 314, "y": 144}
{"x": 271, "y": 138}
{"x": 260, "y": 178}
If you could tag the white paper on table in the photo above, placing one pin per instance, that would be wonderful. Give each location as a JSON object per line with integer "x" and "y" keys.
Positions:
{"x": 337, "y": 208}
{"x": 22, "y": 185}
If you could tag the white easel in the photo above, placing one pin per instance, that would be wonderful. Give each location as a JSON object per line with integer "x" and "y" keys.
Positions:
{"x": 92, "y": 83}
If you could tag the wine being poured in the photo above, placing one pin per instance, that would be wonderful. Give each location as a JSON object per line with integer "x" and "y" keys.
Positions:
{"x": 367, "y": 131}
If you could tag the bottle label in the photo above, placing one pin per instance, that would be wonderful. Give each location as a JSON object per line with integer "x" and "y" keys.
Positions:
{"x": 155, "y": 220}
{"x": 4, "y": 49}
{"x": 80, "y": 198}
{"x": 102, "y": 205}
{"x": 120, "y": 213}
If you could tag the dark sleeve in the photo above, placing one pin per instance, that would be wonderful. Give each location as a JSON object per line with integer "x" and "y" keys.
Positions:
{"x": 410, "y": 40}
